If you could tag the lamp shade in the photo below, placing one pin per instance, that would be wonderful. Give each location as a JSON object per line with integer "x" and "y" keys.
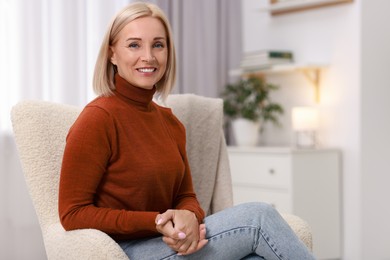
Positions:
{"x": 305, "y": 119}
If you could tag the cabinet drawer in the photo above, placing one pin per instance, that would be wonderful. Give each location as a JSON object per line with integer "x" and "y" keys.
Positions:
{"x": 264, "y": 170}
{"x": 278, "y": 199}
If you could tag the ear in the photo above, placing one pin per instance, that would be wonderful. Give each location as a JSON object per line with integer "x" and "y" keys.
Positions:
{"x": 113, "y": 55}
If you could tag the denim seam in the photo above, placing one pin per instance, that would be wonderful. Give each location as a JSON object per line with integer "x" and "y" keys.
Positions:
{"x": 173, "y": 256}
{"x": 257, "y": 239}
{"x": 231, "y": 230}
{"x": 271, "y": 245}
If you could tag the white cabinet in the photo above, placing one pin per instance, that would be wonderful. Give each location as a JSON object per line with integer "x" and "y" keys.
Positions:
{"x": 302, "y": 182}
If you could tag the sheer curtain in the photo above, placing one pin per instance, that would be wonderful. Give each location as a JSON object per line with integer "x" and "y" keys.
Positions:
{"x": 47, "y": 52}
{"x": 208, "y": 41}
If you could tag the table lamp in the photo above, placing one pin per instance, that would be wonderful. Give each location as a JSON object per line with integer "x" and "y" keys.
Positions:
{"x": 305, "y": 122}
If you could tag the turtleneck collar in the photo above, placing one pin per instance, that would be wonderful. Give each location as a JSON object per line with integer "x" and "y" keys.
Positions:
{"x": 138, "y": 96}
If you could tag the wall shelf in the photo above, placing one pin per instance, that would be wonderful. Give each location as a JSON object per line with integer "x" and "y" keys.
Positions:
{"x": 298, "y": 5}
{"x": 311, "y": 71}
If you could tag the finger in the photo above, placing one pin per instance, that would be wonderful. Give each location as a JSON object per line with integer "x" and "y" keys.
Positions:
{"x": 202, "y": 232}
{"x": 181, "y": 235}
{"x": 170, "y": 241}
{"x": 184, "y": 248}
{"x": 177, "y": 234}
{"x": 198, "y": 247}
{"x": 201, "y": 244}
{"x": 163, "y": 218}
{"x": 191, "y": 249}
{"x": 158, "y": 219}
{"x": 173, "y": 244}
{"x": 167, "y": 229}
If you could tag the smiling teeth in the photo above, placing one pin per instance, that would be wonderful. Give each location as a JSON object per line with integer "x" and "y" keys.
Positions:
{"x": 145, "y": 70}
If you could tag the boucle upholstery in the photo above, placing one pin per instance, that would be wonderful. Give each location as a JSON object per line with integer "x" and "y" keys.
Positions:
{"x": 206, "y": 149}
{"x": 40, "y": 130}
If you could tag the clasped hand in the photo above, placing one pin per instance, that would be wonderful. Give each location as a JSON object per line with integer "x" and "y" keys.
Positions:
{"x": 181, "y": 231}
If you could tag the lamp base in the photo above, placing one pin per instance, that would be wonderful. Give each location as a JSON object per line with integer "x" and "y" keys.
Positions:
{"x": 305, "y": 139}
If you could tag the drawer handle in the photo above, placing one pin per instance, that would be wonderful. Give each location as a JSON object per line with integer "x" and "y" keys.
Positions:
{"x": 271, "y": 171}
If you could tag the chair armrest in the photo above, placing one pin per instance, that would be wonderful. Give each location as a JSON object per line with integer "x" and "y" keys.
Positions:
{"x": 80, "y": 244}
{"x": 301, "y": 229}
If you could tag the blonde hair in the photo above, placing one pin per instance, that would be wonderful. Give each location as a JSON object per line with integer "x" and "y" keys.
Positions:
{"x": 103, "y": 77}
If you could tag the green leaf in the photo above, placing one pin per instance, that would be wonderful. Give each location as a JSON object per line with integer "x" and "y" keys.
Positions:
{"x": 250, "y": 98}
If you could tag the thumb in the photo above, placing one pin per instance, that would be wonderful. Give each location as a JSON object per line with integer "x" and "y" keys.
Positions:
{"x": 160, "y": 220}
{"x": 181, "y": 235}
{"x": 169, "y": 231}
{"x": 178, "y": 235}
{"x": 163, "y": 218}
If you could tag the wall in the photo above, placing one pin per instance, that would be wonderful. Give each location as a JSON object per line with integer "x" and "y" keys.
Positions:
{"x": 330, "y": 35}
{"x": 18, "y": 221}
{"x": 375, "y": 125}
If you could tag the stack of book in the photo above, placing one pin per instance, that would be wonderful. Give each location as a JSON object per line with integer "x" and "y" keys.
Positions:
{"x": 258, "y": 60}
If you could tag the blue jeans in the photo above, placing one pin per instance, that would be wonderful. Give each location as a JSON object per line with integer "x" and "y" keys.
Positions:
{"x": 247, "y": 231}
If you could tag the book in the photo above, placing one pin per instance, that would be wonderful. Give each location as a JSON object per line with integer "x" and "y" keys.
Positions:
{"x": 270, "y": 54}
{"x": 265, "y": 59}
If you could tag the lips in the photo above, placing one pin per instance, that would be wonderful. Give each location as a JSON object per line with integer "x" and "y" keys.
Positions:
{"x": 146, "y": 70}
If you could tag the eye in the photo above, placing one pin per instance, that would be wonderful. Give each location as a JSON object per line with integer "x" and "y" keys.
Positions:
{"x": 133, "y": 45}
{"x": 158, "y": 45}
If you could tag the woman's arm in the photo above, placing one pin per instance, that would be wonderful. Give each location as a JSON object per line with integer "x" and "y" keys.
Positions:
{"x": 86, "y": 157}
{"x": 186, "y": 197}
{"x": 187, "y": 215}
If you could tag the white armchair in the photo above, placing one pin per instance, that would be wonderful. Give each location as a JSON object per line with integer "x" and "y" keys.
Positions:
{"x": 40, "y": 129}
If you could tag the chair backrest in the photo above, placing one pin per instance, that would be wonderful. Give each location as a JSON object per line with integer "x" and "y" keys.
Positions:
{"x": 206, "y": 149}
{"x": 40, "y": 130}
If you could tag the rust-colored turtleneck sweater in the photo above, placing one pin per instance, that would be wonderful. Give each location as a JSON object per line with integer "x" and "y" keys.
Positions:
{"x": 124, "y": 163}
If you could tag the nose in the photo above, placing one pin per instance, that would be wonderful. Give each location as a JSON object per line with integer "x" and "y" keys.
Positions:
{"x": 147, "y": 55}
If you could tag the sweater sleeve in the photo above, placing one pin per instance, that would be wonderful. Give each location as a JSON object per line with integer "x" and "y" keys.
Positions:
{"x": 86, "y": 156}
{"x": 186, "y": 196}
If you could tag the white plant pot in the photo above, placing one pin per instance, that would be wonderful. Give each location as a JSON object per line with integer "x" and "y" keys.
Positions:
{"x": 246, "y": 132}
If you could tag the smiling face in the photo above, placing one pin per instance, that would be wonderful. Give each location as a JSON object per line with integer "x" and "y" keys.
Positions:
{"x": 140, "y": 52}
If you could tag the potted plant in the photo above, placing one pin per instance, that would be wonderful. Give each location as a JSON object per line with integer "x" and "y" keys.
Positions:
{"x": 247, "y": 104}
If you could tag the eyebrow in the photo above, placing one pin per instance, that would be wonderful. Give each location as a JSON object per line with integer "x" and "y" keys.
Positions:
{"x": 140, "y": 39}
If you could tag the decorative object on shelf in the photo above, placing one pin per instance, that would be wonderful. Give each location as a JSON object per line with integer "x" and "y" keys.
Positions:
{"x": 286, "y": 6}
{"x": 246, "y": 132}
{"x": 249, "y": 101}
{"x": 305, "y": 122}
{"x": 264, "y": 59}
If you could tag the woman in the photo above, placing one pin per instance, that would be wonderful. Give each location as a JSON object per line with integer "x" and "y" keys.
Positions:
{"x": 125, "y": 169}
